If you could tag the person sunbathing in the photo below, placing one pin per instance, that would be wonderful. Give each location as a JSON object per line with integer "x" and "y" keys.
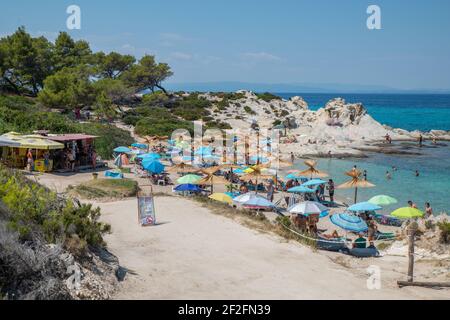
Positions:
{"x": 334, "y": 235}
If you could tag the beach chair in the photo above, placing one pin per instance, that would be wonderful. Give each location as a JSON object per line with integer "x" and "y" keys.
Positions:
{"x": 364, "y": 252}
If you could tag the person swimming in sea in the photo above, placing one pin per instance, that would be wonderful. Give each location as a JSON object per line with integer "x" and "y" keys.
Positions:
{"x": 388, "y": 175}
{"x": 417, "y": 174}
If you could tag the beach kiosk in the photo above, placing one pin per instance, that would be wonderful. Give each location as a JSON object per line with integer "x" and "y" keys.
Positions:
{"x": 41, "y": 148}
{"x": 82, "y": 143}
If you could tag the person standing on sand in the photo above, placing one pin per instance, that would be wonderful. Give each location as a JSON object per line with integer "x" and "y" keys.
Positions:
{"x": 365, "y": 175}
{"x": 331, "y": 189}
{"x": 94, "y": 159}
{"x": 420, "y": 140}
{"x": 428, "y": 210}
{"x": 292, "y": 157}
{"x": 30, "y": 160}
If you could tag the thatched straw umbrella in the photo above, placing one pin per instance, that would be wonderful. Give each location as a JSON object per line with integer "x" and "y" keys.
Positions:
{"x": 312, "y": 171}
{"x": 212, "y": 180}
{"x": 257, "y": 174}
{"x": 182, "y": 168}
{"x": 356, "y": 182}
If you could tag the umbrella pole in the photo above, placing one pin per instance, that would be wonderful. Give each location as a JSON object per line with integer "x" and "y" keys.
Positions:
{"x": 356, "y": 193}
{"x": 411, "y": 232}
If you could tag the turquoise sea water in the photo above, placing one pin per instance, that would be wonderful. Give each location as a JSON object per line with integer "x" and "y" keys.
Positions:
{"x": 407, "y": 111}
{"x": 410, "y": 112}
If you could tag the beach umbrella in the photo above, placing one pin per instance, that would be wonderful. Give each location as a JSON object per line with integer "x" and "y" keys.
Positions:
{"x": 150, "y": 156}
{"x": 187, "y": 187}
{"x": 140, "y": 145}
{"x": 295, "y": 176}
{"x": 307, "y": 208}
{"x": 383, "y": 200}
{"x": 189, "y": 179}
{"x": 259, "y": 202}
{"x": 349, "y": 222}
{"x": 301, "y": 189}
{"x": 221, "y": 197}
{"x": 407, "y": 213}
{"x": 153, "y": 167}
{"x": 212, "y": 180}
{"x": 312, "y": 172}
{"x": 245, "y": 197}
{"x": 182, "y": 168}
{"x": 314, "y": 182}
{"x": 122, "y": 150}
{"x": 256, "y": 174}
{"x": 364, "y": 206}
{"x": 356, "y": 182}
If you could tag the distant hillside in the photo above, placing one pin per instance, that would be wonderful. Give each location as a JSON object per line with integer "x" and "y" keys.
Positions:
{"x": 232, "y": 86}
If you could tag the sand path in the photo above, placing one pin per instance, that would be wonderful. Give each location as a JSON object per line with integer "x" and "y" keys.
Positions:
{"x": 195, "y": 254}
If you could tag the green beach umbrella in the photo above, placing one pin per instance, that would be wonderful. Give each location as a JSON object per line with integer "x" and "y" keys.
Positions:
{"x": 407, "y": 213}
{"x": 189, "y": 179}
{"x": 383, "y": 200}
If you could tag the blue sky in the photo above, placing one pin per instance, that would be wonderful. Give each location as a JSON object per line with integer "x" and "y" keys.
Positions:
{"x": 290, "y": 41}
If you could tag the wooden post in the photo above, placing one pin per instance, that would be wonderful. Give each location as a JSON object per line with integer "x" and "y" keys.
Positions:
{"x": 411, "y": 232}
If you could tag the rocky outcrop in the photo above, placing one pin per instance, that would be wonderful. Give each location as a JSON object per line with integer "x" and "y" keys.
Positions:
{"x": 339, "y": 128}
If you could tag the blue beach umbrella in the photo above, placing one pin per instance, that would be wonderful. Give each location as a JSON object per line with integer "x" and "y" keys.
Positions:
{"x": 153, "y": 167}
{"x": 139, "y": 145}
{"x": 349, "y": 222}
{"x": 363, "y": 206}
{"x": 122, "y": 150}
{"x": 187, "y": 187}
{"x": 301, "y": 189}
{"x": 314, "y": 182}
{"x": 151, "y": 156}
{"x": 293, "y": 176}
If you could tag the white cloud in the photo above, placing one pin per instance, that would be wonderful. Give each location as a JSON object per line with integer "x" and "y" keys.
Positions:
{"x": 261, "y": 56}
{"x": 180, "y": 56}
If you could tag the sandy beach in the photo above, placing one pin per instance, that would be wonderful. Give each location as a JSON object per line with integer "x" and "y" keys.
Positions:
{"x": 194, "y": 253}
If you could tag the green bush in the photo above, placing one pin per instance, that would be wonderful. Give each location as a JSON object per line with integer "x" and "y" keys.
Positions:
{"x": 445, "y": 231}
{"x": 35, "y": 209}
{"x": 21, "y": 115}
{"x": 249, "y": 110}
{"x": 266, "y": 96}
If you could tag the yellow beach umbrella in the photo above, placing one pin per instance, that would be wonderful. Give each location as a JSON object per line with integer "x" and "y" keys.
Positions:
{"x": 407, "y": 213}
{"x": 221, "y": 197}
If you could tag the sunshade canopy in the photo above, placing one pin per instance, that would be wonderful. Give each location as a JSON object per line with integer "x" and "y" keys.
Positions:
{"x": 364, "y": 206}
{"x": 301, "y": 189}
{"x": 189, "y": 179}
{"x": 188, "y": 187}
{"x": 349, "y": 222}
{"x": 122, "y": 150}
{"x": 222, "y": 197}
{"x": 308, "y": 208}
{"x": 383, "y": 200}
{"x": 154, "y": 167}
{"x": 314, "y": 182}
{"x": 33, "y": 141}
{"x": 407, "y": 213}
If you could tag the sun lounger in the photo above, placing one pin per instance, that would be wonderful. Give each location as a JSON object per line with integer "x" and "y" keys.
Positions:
{"x": 335, "y": 245}
{"x": 387, "y": 221}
